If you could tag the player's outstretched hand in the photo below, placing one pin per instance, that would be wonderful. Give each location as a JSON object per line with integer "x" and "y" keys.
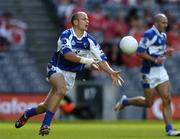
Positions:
{"x": 116, "y": 78}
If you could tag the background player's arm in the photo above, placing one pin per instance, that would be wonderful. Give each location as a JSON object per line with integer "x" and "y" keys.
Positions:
{"x": 146, "y": 56}
{"x": 169, "y": 51}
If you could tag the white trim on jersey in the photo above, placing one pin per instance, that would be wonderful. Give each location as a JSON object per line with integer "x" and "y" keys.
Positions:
{"x": 152, "y": 41}
{"x": 74, "y": 34}
{"x": 96, "y": 52}
{"x": 62, "y": 46}
{"x": 155, "y": 50}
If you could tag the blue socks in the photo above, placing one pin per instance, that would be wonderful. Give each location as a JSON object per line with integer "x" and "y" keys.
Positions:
{"x": 125, "y": 102}
{"x": 30, "y": 112}
{"x": 48, "y": 118}
{"x": 169, "y": 127}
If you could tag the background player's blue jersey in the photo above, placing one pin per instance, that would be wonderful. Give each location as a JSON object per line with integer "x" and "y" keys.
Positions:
{"x": 86, "y": 46}
{"x": 153, "y": 43}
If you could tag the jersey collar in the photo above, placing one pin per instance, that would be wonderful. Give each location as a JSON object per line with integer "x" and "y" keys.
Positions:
{"x": 156, "y": 30}
{"x": 79, "y": 38}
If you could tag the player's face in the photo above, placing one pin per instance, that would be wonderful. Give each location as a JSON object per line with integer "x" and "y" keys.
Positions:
{"x": 83, "y": 22}
{"x": 162, "y": 24}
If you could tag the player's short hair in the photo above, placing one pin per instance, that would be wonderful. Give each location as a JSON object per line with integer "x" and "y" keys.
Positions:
{"x": 74, "y": 17}
{"x": 158, "y": 16}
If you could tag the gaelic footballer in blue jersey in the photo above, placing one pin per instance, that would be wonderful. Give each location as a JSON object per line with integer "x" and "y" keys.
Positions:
{"x": 86, "y": 46}
{"x": 152, "y": 49}
{"x": 76, "y": 48}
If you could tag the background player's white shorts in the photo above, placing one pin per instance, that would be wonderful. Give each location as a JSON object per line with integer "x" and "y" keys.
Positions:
{"x": 156, "y": 76}
{"x": 68, "y": 76}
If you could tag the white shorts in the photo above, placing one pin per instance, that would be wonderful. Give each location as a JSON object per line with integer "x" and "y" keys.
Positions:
{"x": 68, "y": 76}
{"x": 157, "y": 76}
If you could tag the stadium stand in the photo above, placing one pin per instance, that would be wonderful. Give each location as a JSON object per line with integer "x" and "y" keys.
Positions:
{"x": 19, "y": 73}
{"x": 28, "y": 66}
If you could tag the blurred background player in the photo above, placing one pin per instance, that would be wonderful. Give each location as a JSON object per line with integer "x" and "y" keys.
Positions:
{"x": 152, "y": 49}
{"x": 76, "y": 48}
{"x": 79, "y": 110}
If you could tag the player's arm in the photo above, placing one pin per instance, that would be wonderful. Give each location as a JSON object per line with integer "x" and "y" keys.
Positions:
{"x": 105, "y": 67}
{"x": 77, "y": 59}
{"x": 146, "y": 56}
{"x": 64, "y": 47}
{"x": 169, "y": 51}
{"x": 101, "y": 57}
{"x": 115, "y": 75}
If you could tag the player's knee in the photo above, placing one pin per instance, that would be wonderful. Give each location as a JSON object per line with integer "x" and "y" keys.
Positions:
{"x": 41, "y": 108}
{"x": 61, "y": 91}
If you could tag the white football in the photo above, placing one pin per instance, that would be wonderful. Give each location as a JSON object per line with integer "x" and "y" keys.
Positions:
{"x": 128, "y": 45}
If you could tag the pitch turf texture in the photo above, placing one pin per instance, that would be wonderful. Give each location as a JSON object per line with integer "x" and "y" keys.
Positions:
{"x": 89, "y": 130}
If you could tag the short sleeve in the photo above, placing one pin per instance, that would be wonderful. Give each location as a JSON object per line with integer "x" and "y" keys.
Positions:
{"x": 96, "y": 49}
{"x": 146, "y": 41}
{"x": 64, "y": 45}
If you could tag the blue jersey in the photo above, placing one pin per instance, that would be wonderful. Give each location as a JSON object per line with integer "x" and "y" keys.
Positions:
{"x": 154, "y": 43}
{"x": 86, "y": 46}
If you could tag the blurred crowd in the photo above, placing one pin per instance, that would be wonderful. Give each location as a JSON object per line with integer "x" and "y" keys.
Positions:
{"x": 12, "y": 32}
{"x": 110, "y": 20}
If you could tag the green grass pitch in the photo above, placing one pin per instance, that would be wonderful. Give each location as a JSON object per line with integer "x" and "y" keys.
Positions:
{"x": 89, "y": 130}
